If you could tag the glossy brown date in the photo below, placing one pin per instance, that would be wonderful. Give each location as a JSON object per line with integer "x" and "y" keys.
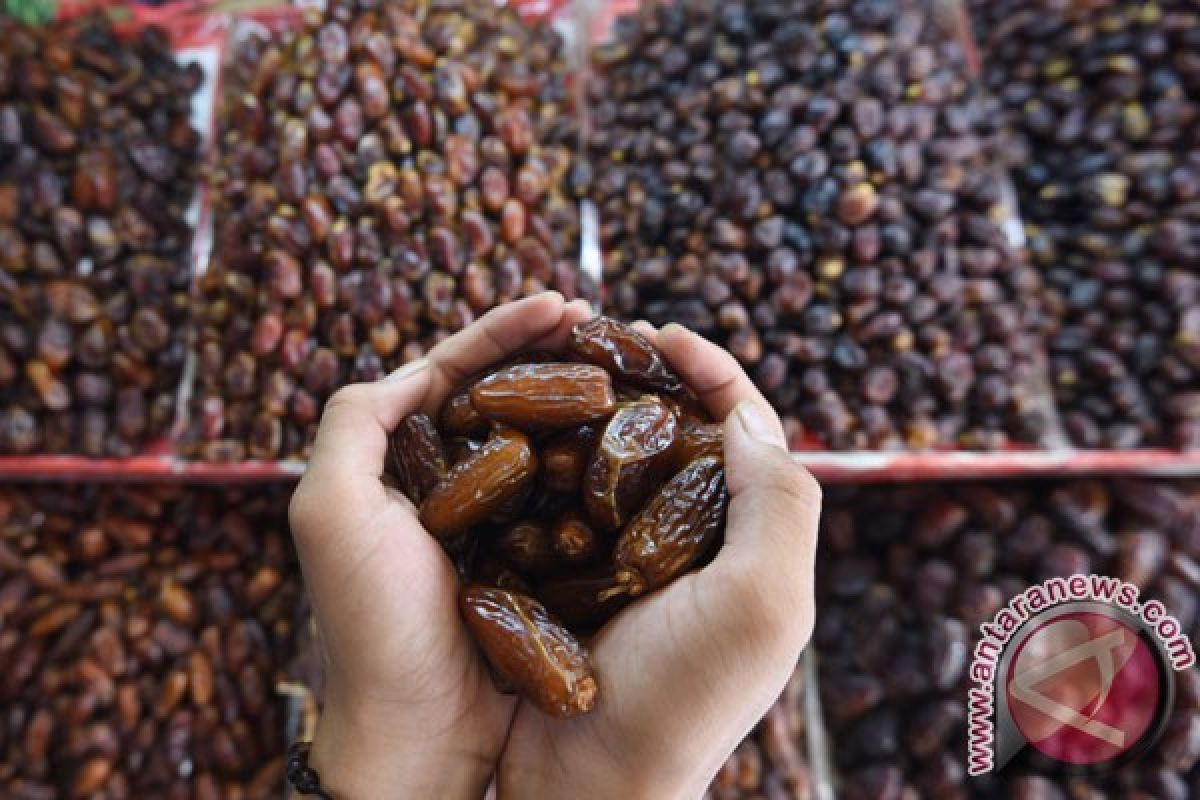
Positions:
{"x": 679, "y": 525}
{"x": 530, "y": 649}
{"x": 417, "y": 458}
{"x": 624, "y": 352}
{"x": 545, "y": 396}
{"x": 476, "y": 488}
{"x": 698, "y": 441}
{"x": 459, "y": 417}
{"x": 632, "y": 458}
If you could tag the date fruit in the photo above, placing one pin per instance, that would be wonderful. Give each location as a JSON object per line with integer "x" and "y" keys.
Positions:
{"x": 545, "y": 396}
{"x": 624, "y": 352}
{"x": 478, "y": 487}
{"x": 679, "y": 526}
{"x": 530, "y": 650}
{"x": 417, "y": 458}
{"x": 632, "y": 458}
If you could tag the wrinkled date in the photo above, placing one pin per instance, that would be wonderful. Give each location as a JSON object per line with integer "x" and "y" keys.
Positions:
{"x": 144, "y": 632}
{"x": 810, "y": 185}
{"x": 387, "y": 176}
{"x": 98, "y": 165}
{"x": 1108, "y": 178}
{"x": 905, "y": 577}
{"x": 564, "y": 493}
{"x": 530, "y": 650}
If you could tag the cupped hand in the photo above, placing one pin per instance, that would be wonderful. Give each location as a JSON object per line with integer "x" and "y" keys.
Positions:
{"x": 685, "y": 672}
{"x": 410, "y": 710}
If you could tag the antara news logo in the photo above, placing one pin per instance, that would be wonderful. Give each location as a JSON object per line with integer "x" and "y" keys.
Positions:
{"x": 1077, "y": 668}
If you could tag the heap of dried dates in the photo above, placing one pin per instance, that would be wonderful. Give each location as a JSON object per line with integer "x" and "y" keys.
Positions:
{"x": 142, "y": 633}
{"x": 1104, "y": 102}
{"x": 810, "y": 185}
{"x": 563, "y": 489}
{"x": 389, "y": 172}
{"x": 98, "y": 165}
{"x": 905, "y": 577}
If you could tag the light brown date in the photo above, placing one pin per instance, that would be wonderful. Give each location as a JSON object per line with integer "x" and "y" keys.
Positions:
{"x": 530, "y": 649}
{"x": 678, "y": 526}
{"x": 632, "y": 458}
{"x": 536, "y": 397}
{"x": 476, "y": 488}
{"x": 624, "y": 352}
{"x": 417, "y": 458}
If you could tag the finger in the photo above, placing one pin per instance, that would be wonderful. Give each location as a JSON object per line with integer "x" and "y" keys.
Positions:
{"x": 708, "y": 370}
{"x": 775, "y": 504}
{"x": 498, "y": 334}
{"x": 577, "y": 311}
{"x": 352, "y": 439}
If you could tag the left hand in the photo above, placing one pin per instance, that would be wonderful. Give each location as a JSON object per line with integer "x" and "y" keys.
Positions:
{"x": 410, "y": 710}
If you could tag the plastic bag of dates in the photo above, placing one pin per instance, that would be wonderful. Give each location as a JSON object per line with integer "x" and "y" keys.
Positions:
{"x": 1104, "y": 101}
{"x": 142, "y": 634}
{"x": 388, "y": 173}
{"x": 812, "y": 185}
{"x": 564, "y": 487}
{"x": 98, "y": 168}
{"x": 906, "y": 576}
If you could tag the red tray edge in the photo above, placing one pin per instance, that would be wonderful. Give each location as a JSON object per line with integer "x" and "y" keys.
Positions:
{"x": 863, "y": 467}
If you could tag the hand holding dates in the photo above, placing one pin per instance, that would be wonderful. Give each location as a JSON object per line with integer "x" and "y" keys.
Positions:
{"x": 410, "y": 707}
{"x": 529, "y": 548}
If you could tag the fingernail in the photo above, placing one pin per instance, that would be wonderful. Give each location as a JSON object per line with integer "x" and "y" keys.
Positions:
{"x": 759, "y": 423}
{"x": 408, "y": 370}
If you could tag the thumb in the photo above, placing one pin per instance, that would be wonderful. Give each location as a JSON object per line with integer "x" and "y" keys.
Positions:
{"x": 774, "y": 503}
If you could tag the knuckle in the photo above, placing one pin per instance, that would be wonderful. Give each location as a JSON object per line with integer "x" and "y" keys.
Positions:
{"x": 350, "y": 395}
{"x": 796, "y": 484}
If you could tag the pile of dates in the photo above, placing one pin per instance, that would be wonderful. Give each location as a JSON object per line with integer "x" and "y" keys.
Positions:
{"x": 905, "y": 577}
{"x": 142, "y": 634}
{"x": 563, "y": 489}
{"x": 98, "y": 166}
{"x": 1104, "y": 102}
{"x": 389, "y": 172}
{"x": 811, "y": 186}
{"x": 771, "y": 763}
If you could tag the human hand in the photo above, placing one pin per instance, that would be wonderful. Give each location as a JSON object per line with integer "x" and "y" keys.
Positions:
{"x": 685, "y": 672}
{"x": 410, "y": 710}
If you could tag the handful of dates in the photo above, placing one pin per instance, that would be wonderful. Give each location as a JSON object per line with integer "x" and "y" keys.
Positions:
{"x": 565, "y": 486}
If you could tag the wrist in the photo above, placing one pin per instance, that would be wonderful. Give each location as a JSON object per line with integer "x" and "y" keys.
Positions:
{"x": 361, "y": 756}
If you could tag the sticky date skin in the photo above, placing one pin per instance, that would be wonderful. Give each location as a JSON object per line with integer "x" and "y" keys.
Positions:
{"x": 698, "y": 441}
{"x": 678, "y": 526}
{"x": 633, "y": 456}
{"x": 545, "y": 396}
{"x": 625, "y": 353}
{"x": 530, "y": 650}
{"x": 416, "y": 457}
{"x": 479, "y": 486}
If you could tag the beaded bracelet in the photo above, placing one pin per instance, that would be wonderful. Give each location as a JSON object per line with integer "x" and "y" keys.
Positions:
{"x": 303, "y": 778}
